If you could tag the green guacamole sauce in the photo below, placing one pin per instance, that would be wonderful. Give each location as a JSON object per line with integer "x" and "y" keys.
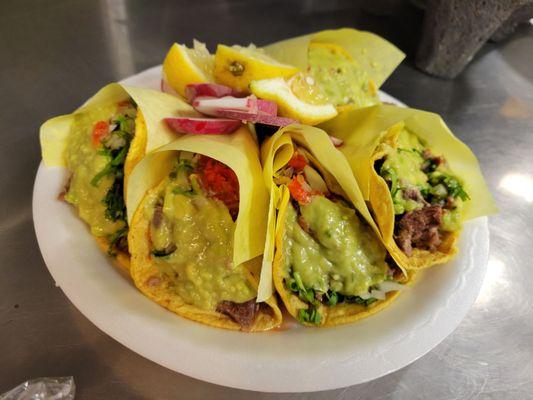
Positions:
{"x": 84, "y": 161}
{"x": 341, "y": 254}
{"x": 193, "y": 243}
{"x": 342, "y": 81}
{"x": 405, "y": 169}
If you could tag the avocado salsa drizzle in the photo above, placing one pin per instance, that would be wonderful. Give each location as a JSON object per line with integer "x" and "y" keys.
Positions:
{"x": 115, "y": 146}
{"x": 331, "y": 255}
{"x": 427, "y": 197}
{"x": 341, "y": 79}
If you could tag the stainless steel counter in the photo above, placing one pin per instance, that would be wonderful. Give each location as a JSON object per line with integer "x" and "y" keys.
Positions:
{"x": 54, "y": 54}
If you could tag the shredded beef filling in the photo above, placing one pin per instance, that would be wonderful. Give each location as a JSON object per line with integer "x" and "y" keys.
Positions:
{"x": 61, "y": 196}
{"x": 158, "y": 215}
{"x": 414, "y": 194}
{"x": 419, "y": 229}
{"x": 242, "y": 313}
{"x": 157, "y": 220}
{"x": 432, "y": 162}
{"x": 122, "y": 244}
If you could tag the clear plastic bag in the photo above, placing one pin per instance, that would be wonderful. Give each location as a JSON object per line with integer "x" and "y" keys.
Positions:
{"x": 62, "y": 388}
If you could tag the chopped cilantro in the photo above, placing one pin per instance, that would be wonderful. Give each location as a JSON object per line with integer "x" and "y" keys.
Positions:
{"x": 452, "y": 184}
{"x": 114, "y": 239}
{"x": 298, "y": 280}
{"x": 114, "y": 197}
{"x": 292, "y": 285}
{"x": 114, "y": 167}
{"x": 309, "y": 315}
{"x": 332, "y": 298}
{"x": 114, "y": 201}
{"x": 392, "y": 178}
{"x": 185, "y": 192}
{"x": 360, "y": 300}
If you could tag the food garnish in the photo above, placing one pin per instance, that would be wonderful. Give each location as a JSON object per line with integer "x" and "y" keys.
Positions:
{"x": 289, "y": 105}
{"x": 194, "y": 90}
{"x": 183, "y": 66}
{"x": 238, "y": 66}
{"x": 203, "y": 126}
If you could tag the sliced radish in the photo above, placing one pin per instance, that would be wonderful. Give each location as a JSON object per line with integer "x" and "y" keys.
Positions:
{"x": 203, "y": 126}
{"x": 336, "y": 141}
{"x": 257, "y": 118}
{"x": 165, "y": 87}
{"x": 267, "y": 107}
{"x": 213, "y": 106}
{"x": 195, "y": 90}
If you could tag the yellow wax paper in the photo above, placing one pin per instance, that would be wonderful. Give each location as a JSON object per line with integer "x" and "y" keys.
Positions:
{"x": 275, "y": 153}
{"x": 364, "y": 129}
{"x": 239, "y": 152}
{"x": 361, "y": 131}
{"x": 377, "y": 57}
{"x": 153, "y": 106}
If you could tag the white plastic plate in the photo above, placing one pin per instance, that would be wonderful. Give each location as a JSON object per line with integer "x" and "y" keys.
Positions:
{"x": 287, "y": 360}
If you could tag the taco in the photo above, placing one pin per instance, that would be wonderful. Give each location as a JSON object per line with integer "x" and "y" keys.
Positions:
{"x": 329, "y": 266}
{"x": 99, "y": 144}
{"x": 420, "y": 181}
{"x": 196, "y": 237}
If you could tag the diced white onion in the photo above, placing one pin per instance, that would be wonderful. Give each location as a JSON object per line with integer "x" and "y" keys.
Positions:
{"x": 305, "y": 185}
{"x": 365, "y": 296}
{"x": 390, "y": 286}
{"x": 115, "y": 142}
{"x": 315, "y": 180}
{"x": 378, "y": 294}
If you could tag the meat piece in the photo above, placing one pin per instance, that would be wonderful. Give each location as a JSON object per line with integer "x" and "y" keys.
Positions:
{"x": 158, "y": 216}
{"x": 303, "y": 224}
{"x": 66, "y": 188}
{"x": 394, "y": 270}
{"x": 242, "y": 313}
{"x": 171, "y": 248}
{"x": 419, "y": 229}
{"x": 122, "y": 244}
{"x": 413, "y": 193}
{"x": 431, "y": 162}
{"x": 450, "y": 203}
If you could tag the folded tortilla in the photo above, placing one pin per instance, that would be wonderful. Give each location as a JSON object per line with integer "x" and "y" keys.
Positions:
{"x": 364, "y": 130}
{"x": 239, "y": 152}
{"x": 275, "y": 154}
{"x": 150, "y": 132}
